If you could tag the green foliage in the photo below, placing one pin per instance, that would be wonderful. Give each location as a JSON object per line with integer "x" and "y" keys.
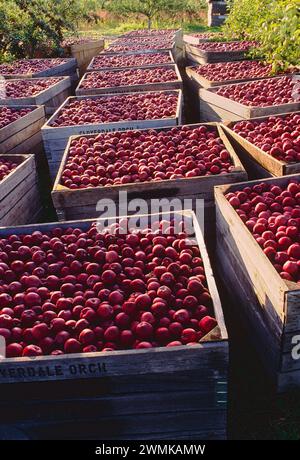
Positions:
{"x": 275, "y": 24}
{"x": 30, "y": 28}
{"x": 153, "y": 8}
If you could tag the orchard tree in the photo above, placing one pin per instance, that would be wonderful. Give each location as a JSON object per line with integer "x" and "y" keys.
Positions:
{"x": 30, "y": 28}
{"x": 274, "y": 24}
{"x": 148, "y": 8}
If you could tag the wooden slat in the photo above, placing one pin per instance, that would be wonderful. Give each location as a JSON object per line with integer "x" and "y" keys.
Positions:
{"x": 109, "y": 405}
{"x": 17, "y": 195}
{"x": 25, "y": 166}
{"x": 117, "y": 363}
{"x": 107, "y": 428}
{"x": 94, "y": 46}
{"x": 288, "y": 381}
{"x": 16, "y": 126}
{"x": 292, "y": 307}
{"x": 34, "y": 145}
{"x": 21, "y": 137}
{"x": 210, "y": 112}
{"x": 27, "y": 209}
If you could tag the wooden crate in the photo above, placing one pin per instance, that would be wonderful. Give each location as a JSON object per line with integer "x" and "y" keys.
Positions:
{"x": 20, "y": 202}
{"x": 204, "y": 57}
{"x": 24, "y": 136}
{"x": 257, "y": 157}
{"x": 112, "y": 50}
{"x": 161, "y": 393}
{"x": 17, "y": 137}
{"x": 85, "y": 52}
{"x": 162, "y": 86}
{"x": 76, "y": 204}
{"x": 214, "y": 107}
{"x": 254, "y": 169}
{"x": 51, "y": 97}
{"x": 65, "y": 69}
{"x": 56, "y": 138}
{"x": 192, "y": 39}
{"x": 91, "y": 68}
{"x": 203, "y": 82}
{"x": 218, "y": 8}
{"x": 268, "y": 303}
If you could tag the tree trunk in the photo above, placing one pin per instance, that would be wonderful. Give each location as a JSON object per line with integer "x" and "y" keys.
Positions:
{"x": 149, "y": 23}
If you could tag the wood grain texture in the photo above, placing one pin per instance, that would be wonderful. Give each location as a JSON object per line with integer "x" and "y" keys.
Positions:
{"x": 19, "y": 195}
{"x": 210, "y": 112}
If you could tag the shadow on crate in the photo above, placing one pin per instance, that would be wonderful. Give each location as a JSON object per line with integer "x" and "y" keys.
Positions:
{"x": 255, "y": 411}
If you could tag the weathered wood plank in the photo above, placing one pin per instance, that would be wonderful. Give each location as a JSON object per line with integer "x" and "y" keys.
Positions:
{"x": 126, "y": 426}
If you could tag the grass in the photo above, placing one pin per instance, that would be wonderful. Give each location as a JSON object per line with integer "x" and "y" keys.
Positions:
{"x": 116, "y": 28}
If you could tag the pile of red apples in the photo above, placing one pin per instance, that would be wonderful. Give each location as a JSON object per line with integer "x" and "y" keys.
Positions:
{"x": 145, "y": 156}
{"x": 30, "y": 66}
{"x": 6, "y": 167}
{"x": 10, "y": 114}
{"x": 263, "y": 93}
{"x": 73, "y": 290}
{"x": 130, "y": 60}
{"x": 150, "y": 33}
{"x": 130, "y": 77}
{"x": 15, "y": 89}
{"x": 271, "y": 212}
{"x": 236, "y": 70}
{"x": 219, "y": 47}
{"x": 109, "y": 109}
{"x": 140, "y": 45}
{"x": 277, "y": 136}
